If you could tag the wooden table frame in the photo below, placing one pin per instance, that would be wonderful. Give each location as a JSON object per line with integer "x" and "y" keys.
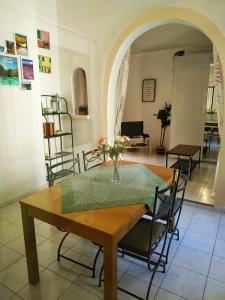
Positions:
{"x": 103, "y": 226}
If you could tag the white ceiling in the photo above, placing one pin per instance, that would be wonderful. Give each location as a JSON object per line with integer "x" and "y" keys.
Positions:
{"x": 170, "y": 36}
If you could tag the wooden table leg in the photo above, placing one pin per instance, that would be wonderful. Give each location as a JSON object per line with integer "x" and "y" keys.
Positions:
{"x": 110, "y": 271}
{"x": 30, "y": 245}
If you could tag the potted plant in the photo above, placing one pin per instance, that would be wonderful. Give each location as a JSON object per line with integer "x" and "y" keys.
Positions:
{"x": 164, "y": 116}
{"x": 83, "y": 109}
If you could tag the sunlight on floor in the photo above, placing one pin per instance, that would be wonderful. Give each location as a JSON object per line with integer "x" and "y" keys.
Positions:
{"x": 199, "y": 188}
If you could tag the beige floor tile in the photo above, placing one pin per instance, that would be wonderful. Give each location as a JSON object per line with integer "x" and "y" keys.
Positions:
{"x": 15, "y": 276}
{"x": 215, "y": 290}
{"x": 51, "y": 286}
{"x": 137, "y": 286}
{"x": 7, "y": 257}
{"x": 165, "y": 295}
{"x": 10, "y": 213}
{"x": 3, "y": 223}
{"x": 76, "y": 292}
{"x": 47, "y": 252}
{"x": 184, "y": 283}
{"x": 18, "y": 243}
{"x": 70, "y": 240}
{"x": 67, "y": 269}
{"x": 192, "y": 259}
{"x": 5, "y": 293}
{"x": 46, "y": 230}
{"x": 9, "y": 233}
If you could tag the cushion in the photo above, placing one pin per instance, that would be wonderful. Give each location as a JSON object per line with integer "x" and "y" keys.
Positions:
{"x": 137, "y": 239}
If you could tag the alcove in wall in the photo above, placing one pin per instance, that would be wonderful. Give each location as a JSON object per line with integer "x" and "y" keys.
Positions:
{"x": 80, "y": 92}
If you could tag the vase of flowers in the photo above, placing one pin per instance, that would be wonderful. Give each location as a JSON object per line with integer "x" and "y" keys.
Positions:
{"x": 113, "y": 152}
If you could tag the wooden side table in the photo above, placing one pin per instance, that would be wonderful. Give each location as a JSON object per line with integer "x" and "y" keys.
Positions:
{"x": 187, "y": 151}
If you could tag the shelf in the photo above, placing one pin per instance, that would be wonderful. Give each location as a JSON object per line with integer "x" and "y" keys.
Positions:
{"x": 58, "y": 135}
{"x": 185, "y": 164}
{"x": 61, "y": 173}
{"x": 81, "y": 117}
{"x": 55, "y": 113}
{"x": 58, "y": 155}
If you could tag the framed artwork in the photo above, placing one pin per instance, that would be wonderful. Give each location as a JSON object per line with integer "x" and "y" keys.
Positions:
{"x": 27, "y": 69}
{"x": 148, "y": 90}
{"x": 10, "y": 47}
{"x": 26, "y": 85}
{"x": 21, "y": 44}
{"x": 2, "y": 49}
{"x": 45, "y": 64}
{"x": 43, "y": 39}
{"x": 9, "y": 74}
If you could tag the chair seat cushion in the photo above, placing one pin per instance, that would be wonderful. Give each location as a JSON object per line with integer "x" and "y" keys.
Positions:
{"x": 137, "y": 239}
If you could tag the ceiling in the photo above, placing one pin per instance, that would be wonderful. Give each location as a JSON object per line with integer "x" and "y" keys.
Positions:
{"x": 170, "y": 36}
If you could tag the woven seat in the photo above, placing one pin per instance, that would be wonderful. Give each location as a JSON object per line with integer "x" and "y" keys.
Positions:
{"x": 137, "y": 239}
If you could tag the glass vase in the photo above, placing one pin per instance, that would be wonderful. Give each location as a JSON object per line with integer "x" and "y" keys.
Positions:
{"x": 116, "y": 173}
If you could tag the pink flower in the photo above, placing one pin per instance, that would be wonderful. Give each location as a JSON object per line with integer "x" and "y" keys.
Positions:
{"x": 101, "y": 141}
{"x": 119, "y": 139}
{"x": 93, "y": 152}
{"x": 126, "y": 138}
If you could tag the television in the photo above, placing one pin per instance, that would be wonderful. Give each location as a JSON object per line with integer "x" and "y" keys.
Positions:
{"x": 132, "y": 129}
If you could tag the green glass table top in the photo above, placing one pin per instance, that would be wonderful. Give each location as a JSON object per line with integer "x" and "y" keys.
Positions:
{"x": 94, "y": 189}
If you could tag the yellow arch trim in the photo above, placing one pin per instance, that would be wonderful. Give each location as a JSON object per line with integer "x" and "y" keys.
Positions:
{"x": 178, "y": 14}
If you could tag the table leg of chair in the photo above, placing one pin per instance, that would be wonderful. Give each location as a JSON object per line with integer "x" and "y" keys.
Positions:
{"x": 30, "y": 246}
{"x": 110, "y": 271}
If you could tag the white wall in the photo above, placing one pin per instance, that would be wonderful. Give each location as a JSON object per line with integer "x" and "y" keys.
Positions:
{"x": 22, "y": 167}
{"x": 76, "y": 51}
{"x": 157, "y": 65}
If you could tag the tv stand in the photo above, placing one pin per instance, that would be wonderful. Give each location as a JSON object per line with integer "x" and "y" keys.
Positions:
{"x": 135, "y": 144}
{"x": 135, "y": 131}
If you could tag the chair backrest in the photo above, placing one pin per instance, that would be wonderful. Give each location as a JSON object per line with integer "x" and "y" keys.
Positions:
{"x": 62, "y": 169}
{"x": 92, "y": 159}
{"x": 181, "y": 186}
{"x": 163, "y": 206}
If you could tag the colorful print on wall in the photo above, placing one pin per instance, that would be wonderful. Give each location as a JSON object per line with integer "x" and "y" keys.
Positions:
{"x": 9, "y": 74}
{"x": 45, "y": 65}
{"x": 2, "y": 48}
{"x": 43, "y": 39}
{"x": 26, "y": 85}
{"x": 10, "y": 47}
{"x": 21, "y": 44}
{"x": 27, "y": 69}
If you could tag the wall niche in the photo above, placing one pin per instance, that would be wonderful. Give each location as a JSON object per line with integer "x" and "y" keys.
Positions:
{"x": 80, "y": 92}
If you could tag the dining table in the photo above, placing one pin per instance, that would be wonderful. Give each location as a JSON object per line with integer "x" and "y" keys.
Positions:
{"x": 104, "y": 226}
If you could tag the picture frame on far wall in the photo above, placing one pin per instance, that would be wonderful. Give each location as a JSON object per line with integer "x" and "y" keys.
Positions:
{"x": 148, "y": 90}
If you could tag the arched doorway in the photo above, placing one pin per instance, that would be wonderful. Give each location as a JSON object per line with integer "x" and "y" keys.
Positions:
{"x": 138, "y": 27}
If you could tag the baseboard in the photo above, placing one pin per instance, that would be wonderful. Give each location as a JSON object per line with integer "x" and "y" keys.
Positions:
{"x": 206, "y": 206}
{"x": 18, "y": 198}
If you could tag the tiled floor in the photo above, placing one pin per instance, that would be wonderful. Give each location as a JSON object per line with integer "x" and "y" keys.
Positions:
{"x": 196, "y": 268}
{"x": 200, "y": 187}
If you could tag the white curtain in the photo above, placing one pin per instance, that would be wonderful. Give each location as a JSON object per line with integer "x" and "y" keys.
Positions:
{"x": 219, "y": 97}
{"x": 121, "y": 92}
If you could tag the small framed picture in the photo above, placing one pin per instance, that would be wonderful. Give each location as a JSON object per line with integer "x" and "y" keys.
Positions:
{"x": 148, "y": 90}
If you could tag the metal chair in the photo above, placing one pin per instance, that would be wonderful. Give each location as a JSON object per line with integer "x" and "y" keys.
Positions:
{"x": 86, "y": 160}
{"x": 62, "y": 169}
{"x": 92, "y": 159}
{"x": 142, "y": 240}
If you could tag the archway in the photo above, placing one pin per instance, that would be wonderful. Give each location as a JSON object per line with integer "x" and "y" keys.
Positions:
{"x": 138, "y": 27}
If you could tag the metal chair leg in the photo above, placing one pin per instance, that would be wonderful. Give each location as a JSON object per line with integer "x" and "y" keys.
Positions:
{"x": 60, "y": 246}
{"x": 95, "y": 261}
{"x": 100, "y": 276}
